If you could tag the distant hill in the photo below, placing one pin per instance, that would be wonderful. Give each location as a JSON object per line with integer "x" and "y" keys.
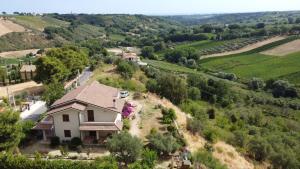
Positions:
{"x": 241, "y": 18}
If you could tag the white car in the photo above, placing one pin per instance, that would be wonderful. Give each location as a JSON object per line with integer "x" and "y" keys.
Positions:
{"x": 124, "y": 94}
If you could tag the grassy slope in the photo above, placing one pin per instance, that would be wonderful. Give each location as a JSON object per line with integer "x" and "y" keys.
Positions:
{"x": 257, "y": 65}
{"x": 38, "y": 22}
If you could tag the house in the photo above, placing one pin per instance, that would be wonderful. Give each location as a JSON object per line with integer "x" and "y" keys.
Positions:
{"x": 130, "y": 57}
{"x": 28, "y": 72}
{"x": 91, "y": 112}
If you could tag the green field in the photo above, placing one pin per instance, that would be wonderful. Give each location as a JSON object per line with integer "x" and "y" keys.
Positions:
{"x": 257, "y": 65}
{"x": 38, "y": 22}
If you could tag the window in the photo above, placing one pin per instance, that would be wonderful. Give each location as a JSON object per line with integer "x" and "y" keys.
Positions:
{"x": 90, "y": 114}
{"x": 67, "y": 133}
{"x": 66, "y": 118}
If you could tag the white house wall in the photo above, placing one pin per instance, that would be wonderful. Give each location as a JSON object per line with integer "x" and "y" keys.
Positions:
{"x": 72, "y": 125}
{"x": 100, "y": 114}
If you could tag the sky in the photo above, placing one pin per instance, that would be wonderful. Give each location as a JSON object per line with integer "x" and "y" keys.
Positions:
{"x": 148, "y": 7}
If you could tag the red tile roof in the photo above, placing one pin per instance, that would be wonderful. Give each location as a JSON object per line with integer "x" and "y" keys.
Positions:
{"x": 95, "y": 94}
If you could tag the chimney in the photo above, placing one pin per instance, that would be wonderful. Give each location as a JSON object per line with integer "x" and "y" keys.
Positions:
{"x": 114, "y": 102}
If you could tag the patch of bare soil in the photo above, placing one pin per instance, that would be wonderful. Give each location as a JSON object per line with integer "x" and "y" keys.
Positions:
{"x": 17, "y": 54}
{"x": 247, "y": 48}
{"x": 7, "y": 26}
{"x": 19, "y": 88}
{"x": 284, "y": 49}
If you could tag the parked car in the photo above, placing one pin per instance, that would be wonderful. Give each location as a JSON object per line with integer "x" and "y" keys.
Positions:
{"x": 124, "y": 94}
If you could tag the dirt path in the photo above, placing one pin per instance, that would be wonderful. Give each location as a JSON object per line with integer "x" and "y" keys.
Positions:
{"x": 247, "y": 48}
{"x": 18, "y": 88}
{"x": 18, "y": 53}
{"x": 7, "y": 26}
{"x": 284, "y": 49}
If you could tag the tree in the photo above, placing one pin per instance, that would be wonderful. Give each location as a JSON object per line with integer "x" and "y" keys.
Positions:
{"x": 163, "y": 144}
{"x": 74, "y": 58}
{"x": 125, "y": 69}
{"x": 172, "y": 87}
{"x": 53, "y": 92}
{"x": 297, "y": 20}
{"x": 256, "y": 84}
{"x": 194, "y": 93}
{"x": 10, "y": 130}
{"x": 260, "y": 25}
{"x": 259, "y": 149}
{"x": 49, "y": 69}
{"x": 125, "y": 147}
{"x": 148, "y": 52}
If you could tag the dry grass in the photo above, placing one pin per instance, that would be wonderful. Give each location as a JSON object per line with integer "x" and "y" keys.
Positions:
{"x": 22, "y": 87}
{"x": 229, "y": 156}
{"x": 285, "y": 49}
{"x": 17, "y": 54}
{"x": 7, "y": 26}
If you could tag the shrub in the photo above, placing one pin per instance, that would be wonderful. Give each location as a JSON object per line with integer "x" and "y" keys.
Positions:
{"x": 211, "y": 113}
{"x": 125, "y": 147}
{"x": 168, "y": 115}
{"x": 164, "y": 144}
{"x": 126, "y": 124}
{"x": 194, "y": 125}
{"x": 75, "y": 142}
{"x": 54, "y": 141}
{"x": 256, "y": 84}
{"x": 206, "y": 158}
{"x": 194, "y": 93}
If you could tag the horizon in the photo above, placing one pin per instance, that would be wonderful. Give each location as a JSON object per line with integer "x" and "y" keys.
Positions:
{"x": 155, "y": 7}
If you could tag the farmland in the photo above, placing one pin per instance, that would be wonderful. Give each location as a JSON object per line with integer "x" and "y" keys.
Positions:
{"x": 257, "y": 65}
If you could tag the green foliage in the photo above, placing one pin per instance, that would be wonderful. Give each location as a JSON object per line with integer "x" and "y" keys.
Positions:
{"x": 10, "y": 130}
{"x": 60, "y": 64}
{"x": 169, "y": 115}
{"x": 194, "y": 126}
{"x": 54, "y": 141}
{"x": 126, "y": 124}
{"x": 149, "y": 158}
{"x": 53, "y": 92}
{"x": 125, "y": 147}
{"x": 259, "y": 149}
{"x": 148, "y": 52}
{"x": 50, "y": 69}
{"x": 75, "y": 142}
{"x": 9, "y": 161}
{"x": 194, "y": 93}
{"x": 206, "y": 158}
{"x": 172, "y": 87}
{"x": 125, "y": 69}
{"x": 256, "y": 84}
{"x": 164, "y": 144}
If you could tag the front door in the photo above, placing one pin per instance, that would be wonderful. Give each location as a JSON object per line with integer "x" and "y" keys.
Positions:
{"x": 93, "y": 134}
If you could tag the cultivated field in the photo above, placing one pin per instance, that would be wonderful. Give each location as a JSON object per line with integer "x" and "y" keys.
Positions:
{"x": 7, "y": 26}
{"x": 246, "y": 48}
{"x": 284, "y": 49}
{"x": 38, "y": 22}
{"x": 257, "y": 65}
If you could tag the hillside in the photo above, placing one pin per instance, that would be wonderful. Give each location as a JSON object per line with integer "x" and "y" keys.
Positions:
{"x": 241, "y": 18}
{"x": 7, "y": 26}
